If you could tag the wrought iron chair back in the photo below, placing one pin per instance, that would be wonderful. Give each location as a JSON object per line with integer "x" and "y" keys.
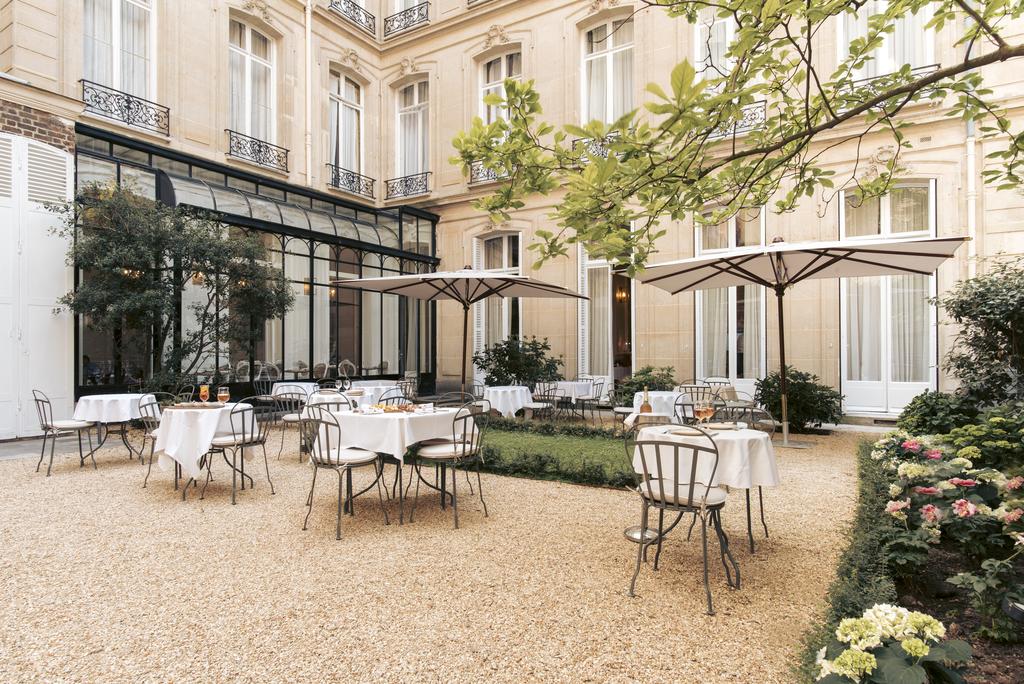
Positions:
{"x": 542, "y": 387}
{"x": 717, "y": 381}
{"x": 698, "y": 393}
{"x": 263, "y": 386}
{"x": 343, "y": 384}
{"x": 186, "y": 392}
{"x": 320, "y": 371}
{"x": 394, "y": 396}
{"x": 322, "y": 435}
{"x": 150, "y": 413}
{"x": 454, "y": 399}
{"x": 250, "y": 421}
{"x": 290, "y": 401}
{"x": 330, "y": 401}
{"x": 346, "y": 368}
{"x": 44, "y": 409}
{"x": 327, "y": 383}
{"x": 409, "y": 387}
{"x": 478, "y": 390}
{"x": 682, "y": 411}
{"x": 672, "y": 474}
{"x": 468, "y": 428}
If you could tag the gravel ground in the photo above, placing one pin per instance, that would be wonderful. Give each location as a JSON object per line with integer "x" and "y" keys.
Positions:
{"x": 105, "y": 581}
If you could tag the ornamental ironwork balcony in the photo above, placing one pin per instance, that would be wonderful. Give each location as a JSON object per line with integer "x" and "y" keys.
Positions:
{"x": 350, "y": 181}
{"x": 407, "y": 19}
{"x": 877, "y": 84}
{"x": 593, "y": 147}
{"x": 752, "y": 116}
{"x": 241, "y": 146}
{"x": 354, "y": 12}
{"x": 126, "y": 108}
{"x": 407, "y": 186}
{"x": 479, "y": 173}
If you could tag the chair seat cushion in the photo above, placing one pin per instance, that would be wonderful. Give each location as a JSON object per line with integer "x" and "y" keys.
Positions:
{"x": 538, "y": 405}
{"x": 349, "y": 456}
{"x": 437, "y": 440}
{"x": 291, "y": 417}
{"x": 447, "y": 451}
{"x": 231, "y": 440}
{"x": 716, "y": 495}
{"x": 71, "y": 424}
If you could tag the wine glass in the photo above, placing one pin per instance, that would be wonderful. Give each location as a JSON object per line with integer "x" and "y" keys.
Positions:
{"x": 704, "y": 411}
{"x": 223, "y": 394}
{"x": 204, "y": 393}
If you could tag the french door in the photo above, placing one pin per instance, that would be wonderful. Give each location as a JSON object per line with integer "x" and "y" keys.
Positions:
{"x": 888, "y": 341}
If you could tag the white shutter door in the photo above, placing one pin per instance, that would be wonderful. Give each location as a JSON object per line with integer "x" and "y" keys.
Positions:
{"x": 583, "y": 317}
{"x": 9, "y": 346}
{"x": 46, "y": 339}
{"x": 479, "y": 316}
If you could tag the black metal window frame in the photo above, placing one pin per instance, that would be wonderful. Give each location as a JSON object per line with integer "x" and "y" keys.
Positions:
{"x": 408, "y": 261}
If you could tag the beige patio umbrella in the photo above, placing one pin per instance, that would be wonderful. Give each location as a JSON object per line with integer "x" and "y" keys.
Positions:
{"x": 780, "y": 265}
{"x": 466, "y": 286}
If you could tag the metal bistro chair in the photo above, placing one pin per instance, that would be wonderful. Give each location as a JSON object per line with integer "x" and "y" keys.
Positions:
{"x": 591, "y": 400}
{"x": 547, "y": 399}
{"x": 676, "y": 477}
{"x": 288, "y": 404}
{"x": 327, "y": 383}
{"x": 761, "y": 420}
{"x": 52, "y": 429}
{"x": 699, "y": 393}
{"x": 682, "y": 411}
{"x": 324, "y": 436}
{"x": 264, "y": 389}
{"x": 329, "y": 400}
{"x": 150, "y": 412}
{"x": 394, "y": 397}
{"x": 409, "y": 386}
{"x": 185, "y": 393}
{"x": 717, "y": 381}
{"x": 250, "y": 427}
{"x": 463, "y": 449}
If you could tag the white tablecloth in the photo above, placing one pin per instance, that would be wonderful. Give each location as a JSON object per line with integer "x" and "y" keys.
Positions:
{"x": 508, "y": 399}
{"x": 371, "y": 394}
{"x": 185, "y": 434}
{"x": 661, "y": 402}
{"x": 328, "y": 397}
{"x": 374, "y": 383}
{"x": 746, "y": 458}
{"x": 110, "y": 408}
{"x": 289, "y": 386}
{"x": 393, "y": 433}
{"x": 574, "y": 389}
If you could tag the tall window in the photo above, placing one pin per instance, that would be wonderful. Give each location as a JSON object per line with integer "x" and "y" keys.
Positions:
{"x": 119, "y": 44}
{"x": 500, "y": 316}
{"x": 495, "y": 72}
{"x": 888, "y": 341}
{"x": 346, "y": 123}
{"x": 252, "y": 82}
{"x": 608, "y": 71}
{"x": 413, "y": 131}
{"x": 712, "y": 36}
{"x": 910, "y": 43}
{"x": 730, "y": 320}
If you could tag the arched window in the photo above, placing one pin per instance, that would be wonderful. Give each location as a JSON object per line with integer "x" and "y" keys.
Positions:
{"x": 120, "y": 37}
{"x": 251, "y": 66}
{"x": 608, "y": 71}
{"x": 493, "y": 73}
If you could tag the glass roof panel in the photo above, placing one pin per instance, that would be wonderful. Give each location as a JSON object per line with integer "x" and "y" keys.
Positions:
{"x": 230, "y": 201}
{"x": 321, "y": 222}
{"x": 192, "y": 192}
{"x": 264, "y": 209}
{"x": 347, "y": 229}
{"x": 294, "y": 216}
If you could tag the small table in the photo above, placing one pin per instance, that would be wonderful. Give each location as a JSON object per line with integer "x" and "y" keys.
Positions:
{"x": 186, "y": 435}
{"x": 393, "y": 433}
{"x": 508, "y": 399}
{"x": 574, "y": 389}
{"x": 746, "y": 459}
{"x": 111, "y": 409}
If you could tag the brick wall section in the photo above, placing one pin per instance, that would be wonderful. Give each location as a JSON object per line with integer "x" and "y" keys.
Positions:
{"x": 36, "y": 124}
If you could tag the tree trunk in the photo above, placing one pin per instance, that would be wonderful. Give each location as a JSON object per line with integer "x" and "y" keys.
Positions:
{"x": 118, "y": 356}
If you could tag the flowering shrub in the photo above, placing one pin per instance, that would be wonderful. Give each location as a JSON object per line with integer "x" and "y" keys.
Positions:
{"x": 995, "y": 581}
{"x": 934, "y": 413}
{"x": 995, "y": 440}
{"x": 891, "y": 644}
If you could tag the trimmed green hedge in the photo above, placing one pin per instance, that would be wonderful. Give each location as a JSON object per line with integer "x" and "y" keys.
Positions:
{"x": 862, "y": 579}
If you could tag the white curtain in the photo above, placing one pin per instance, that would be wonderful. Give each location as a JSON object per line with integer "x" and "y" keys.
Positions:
{"x": 597, "y": 93}
{"x": 350, "y": 126}
{"x": 910, "y": 321}
{"x": 97, "y": 28}
{"x": 750, "y": 334}
{"x": 260, "y": 102}
{"x": 296, "y": 320}
{"x": 909, "y": 208}
{"x": 862, "y": 217}
{"x": 714, "y": 332}
{"x": 599, "y": 290}
{"x": 864, "y": 329}
{"x": 911, "y": 39}
{"x": 622, "y": 83}
{"x": 371, "y": 317}
{"x": 135, "y": 47}
{"x": 236, "y": 68}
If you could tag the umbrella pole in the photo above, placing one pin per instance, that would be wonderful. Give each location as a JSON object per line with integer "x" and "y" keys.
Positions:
{"x": 465, "y": 334}
{"x": 783, "y": 382}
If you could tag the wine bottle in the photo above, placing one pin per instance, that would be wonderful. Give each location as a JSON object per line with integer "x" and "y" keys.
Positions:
{"x": 646, "y": 406}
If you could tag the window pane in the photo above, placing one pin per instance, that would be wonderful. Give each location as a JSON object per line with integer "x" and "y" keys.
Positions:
{"x": 863, "y": 329}
{"x": 749, "y": 333}
{"x": 597, "y": 96}
{"x": 714, "y": 236}
{"x": 407, "y": 96}
{"x": 98, "y": 42}
{"x": 260, "y": 102}
{"x": 493, "y": 325}
{"x": 353, "y": 93}
{"x": 236, "y": 68}
{"x": 748, "y": 228}
{"x": 622, "y": 83}
{"x": 492, "y": 71}
{"x": 714, "y": 332}
{"x": 596, "y": 39}
{"x": 493, "y": 253}
{"x": 910, "y": 321}
{"x": 862, "y": 217}
{"x": 135, "y": 50}
{"x": 237, "y": 32}
{"x": 513, "y": 251}
{"x": 600, "y": 314}
{"x": 515, "y": 65}
{"x": 909, "y": 207}
{"x": 260, "y": 45}
{"x": 623, "y": 32}
{"x": 423, "y": 90}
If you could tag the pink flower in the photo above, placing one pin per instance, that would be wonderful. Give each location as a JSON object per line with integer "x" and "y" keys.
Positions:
{"x": 896, "y": 506}
{"x": 961, "y": 482}
{"x": 926, "y": 490}
{"x": 931, "y": 513}
{"x": 933, "y": 454}
{"x": 1014, "y": 515}
{"x": 964, "y": 508}
{"x": 911, "y": 445}
{"x": 1015, "y": 483}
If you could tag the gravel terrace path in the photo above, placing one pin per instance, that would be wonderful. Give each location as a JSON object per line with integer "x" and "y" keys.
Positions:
{"x": 103, "y": 581}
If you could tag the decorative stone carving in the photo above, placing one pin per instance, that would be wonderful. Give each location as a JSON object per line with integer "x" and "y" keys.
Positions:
{"x": 408, "y": 66}
{"x": 596, "y": 5}
{"x": 258, "y": 8}
{"x": 495, "y": 36}
{"x": 350, "y": 58}
{"x": 879, "y": 161}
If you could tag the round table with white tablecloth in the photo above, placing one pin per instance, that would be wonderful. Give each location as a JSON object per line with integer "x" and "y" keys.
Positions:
{"x": 508, "y": 399}
{"x": 574, "y": 389}
{"x": 110, "y": 408}
{"x": 746, "y": 458}
{"x": 393, "y": 433}
{"x": 186, "y": 434}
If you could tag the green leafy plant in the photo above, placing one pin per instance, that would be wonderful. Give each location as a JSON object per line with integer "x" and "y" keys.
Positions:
{"x": 936, "y": 413}
{"x": 518, "y": 361}
{"x": 988, "y": 354}
{"x": 891, "y": 645}
{"x": 809, "y": 402}
{"x": 996, "y": 580}
{"x": 654, "y": 379}
{"x": 995, "y": 439}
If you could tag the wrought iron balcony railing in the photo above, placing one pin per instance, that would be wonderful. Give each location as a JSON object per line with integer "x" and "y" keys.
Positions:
{"x": 593, "y": 147}
{"x": 753, "y": 116}
{"x": 407, "y": 19}
{"x": 479, "y": 173}
{"x": 350, "y": 181}
{"x": 128, "y": 109}
{"x": 407, "y": 186}
{"x": 257, "y": 151}
{"x": 354, "y": 12}
{"x": 875, "y": 84}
